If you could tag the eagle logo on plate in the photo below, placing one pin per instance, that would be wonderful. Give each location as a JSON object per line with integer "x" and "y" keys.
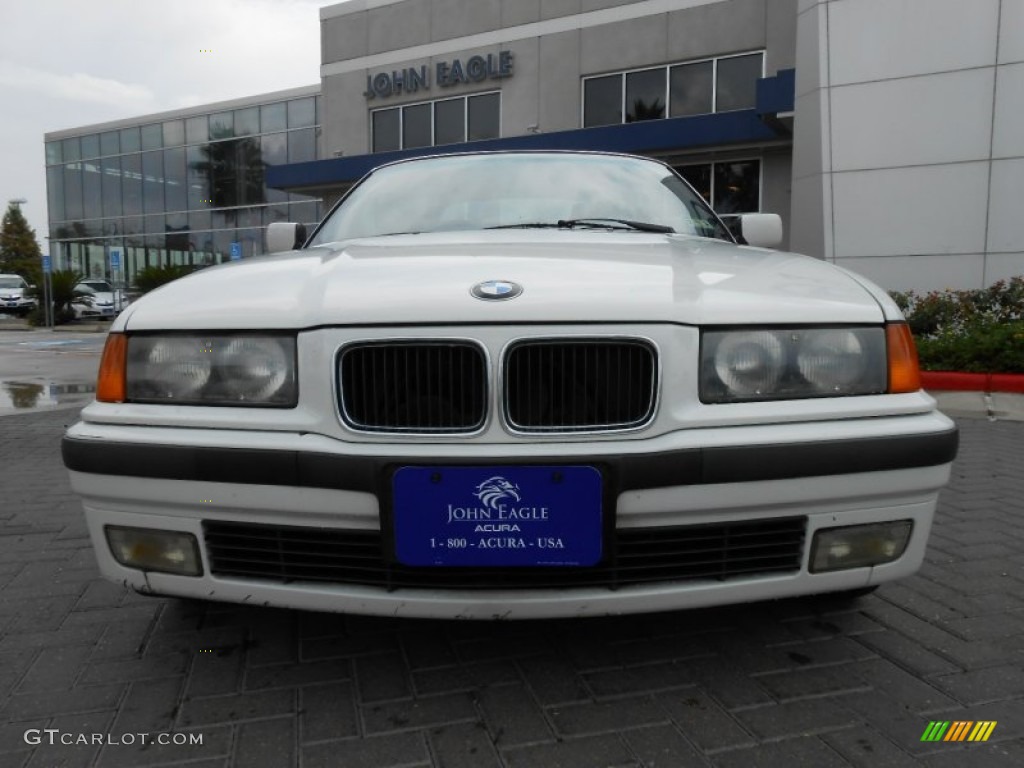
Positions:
{"x": 496, "y": 290}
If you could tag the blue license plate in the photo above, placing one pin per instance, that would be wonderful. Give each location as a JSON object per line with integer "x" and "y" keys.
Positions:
{"x": 497, "y": 516}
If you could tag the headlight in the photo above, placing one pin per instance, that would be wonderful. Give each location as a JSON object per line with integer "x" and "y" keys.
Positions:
{"x": 779, "y": 364}
{"x": 212, "y": 370}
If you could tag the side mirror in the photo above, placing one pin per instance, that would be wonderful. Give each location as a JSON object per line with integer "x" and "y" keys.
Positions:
{"x": 762, "y": 230}
{"x": 285, "y": 236}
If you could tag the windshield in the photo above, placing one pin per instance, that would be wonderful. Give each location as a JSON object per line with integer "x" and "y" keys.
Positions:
{"x": 96, "y": 286}
{"x": 467, "y": 192}
{"x": 11, "y": 282}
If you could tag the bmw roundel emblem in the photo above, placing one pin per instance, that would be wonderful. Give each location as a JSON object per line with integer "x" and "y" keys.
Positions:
{"x": 496, "y": 290}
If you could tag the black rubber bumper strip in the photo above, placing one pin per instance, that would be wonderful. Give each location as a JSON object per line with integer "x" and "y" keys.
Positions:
{"x": 695, "y": 466}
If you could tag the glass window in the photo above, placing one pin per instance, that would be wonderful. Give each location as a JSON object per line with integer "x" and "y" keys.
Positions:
{"x": 737, "y": 82}
{"x": 699, "y": 177}
{"x": 198, "y": 220}
{"x": 154, "y": 223}
{"x": 272, "y": 213}
{"x": 53, "y": 155}
{"x": 691, "y": 89}
{"x": 222, "y": 126}
{"x": 174, "y": 133}
{"x": 197, "y": 130}
{"x": 304, "y": 213}
{"x": 248, "y": 217}
{"x": 175, "y": 181}
{"x": 72, "y": 190}
{"x": 222, "y": 245}
{"x": 302, "y": 145}
{"x": 416, "y": 130}
{"x": 153, "y": 182}
{"x": 738, "y": 187}
{"x": 449, "y": 121}
{"x": 385, "y": 130}
{"x": 247, "y": 121}
{"x": 223, "y": 218}
{"x": 131, "y": 184}
{"x": 250, "y": 170}
{"x": 274, "y": 151}
{"x": 302, "y": 113}
{"x": 152, "y": 136}
{"x": 198, "y": 188}
{"x": 273, "y": 117}
{"x": 91, "y": 189}
{"x": 484, "y": 116}
{"x": 111, "y": 167}
{"x": 91, "y": 146}
{"x": 55, "y": 193}
{"x": 602, "y": 101}
{"x": 111, "y": 227}
{"x": 72, "y": 150}
{"x": 274, "y": 148}
{"x": 130, "y": 141}
{"x": 645, "y": 95}
{"x": 110, "y": 143}
{"x": 132, "y": 225}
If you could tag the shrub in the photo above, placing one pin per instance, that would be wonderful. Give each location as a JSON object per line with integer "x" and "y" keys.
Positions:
{"x": 62, "y": 293}
{"x": 976, "y": 331}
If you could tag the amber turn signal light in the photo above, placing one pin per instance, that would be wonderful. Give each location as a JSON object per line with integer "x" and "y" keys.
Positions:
{"x": 110, "y": 386}
{"x": 904, "y": 374}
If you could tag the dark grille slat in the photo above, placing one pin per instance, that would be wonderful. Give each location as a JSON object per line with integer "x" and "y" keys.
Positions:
{"x": 430, "y": 387}
{"x": 644, "y": 556}
{"x": 579, "y": 385}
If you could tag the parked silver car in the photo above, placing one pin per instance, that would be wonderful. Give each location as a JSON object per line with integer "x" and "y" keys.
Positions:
{"x": 96, "y": 297}
{"x": 14, "y": 296}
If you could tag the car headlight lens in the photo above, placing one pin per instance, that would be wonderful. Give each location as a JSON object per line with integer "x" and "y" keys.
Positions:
{"x": 255, "y": 370}
{"x": 779, "y": 364}
{"x": 749, "y": 363}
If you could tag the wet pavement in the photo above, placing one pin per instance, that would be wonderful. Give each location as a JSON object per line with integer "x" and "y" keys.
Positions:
{"x": 41, "y": 369}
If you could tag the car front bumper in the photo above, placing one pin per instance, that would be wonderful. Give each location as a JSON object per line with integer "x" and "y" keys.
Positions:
{"x": 813, "y": 475}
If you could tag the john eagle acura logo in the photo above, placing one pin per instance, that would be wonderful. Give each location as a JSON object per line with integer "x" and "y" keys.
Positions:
{"x": 494, "y": 490}
{"x": 496, "y": 290}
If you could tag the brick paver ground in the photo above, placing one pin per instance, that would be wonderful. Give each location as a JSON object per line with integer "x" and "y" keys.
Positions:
{"x": 791, "y": 683}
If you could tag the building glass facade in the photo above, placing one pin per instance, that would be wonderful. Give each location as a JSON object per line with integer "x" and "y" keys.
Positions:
{"x": 180, "y": 190}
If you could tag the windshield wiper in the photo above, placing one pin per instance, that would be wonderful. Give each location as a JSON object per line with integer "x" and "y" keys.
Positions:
{"x": 641, "y": 226}
{"x": 530, "y": 225}
{"x": 596, "y": 222}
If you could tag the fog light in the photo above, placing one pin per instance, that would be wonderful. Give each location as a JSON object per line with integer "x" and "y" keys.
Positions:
{"x": 858, "y": 546}
{"x": 164, "y": 551}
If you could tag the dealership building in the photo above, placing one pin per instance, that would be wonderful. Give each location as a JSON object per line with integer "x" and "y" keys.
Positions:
{"x": 885, "y": 133}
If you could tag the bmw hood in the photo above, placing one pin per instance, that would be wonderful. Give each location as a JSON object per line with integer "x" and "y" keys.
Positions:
{"x": 543, "y": 275}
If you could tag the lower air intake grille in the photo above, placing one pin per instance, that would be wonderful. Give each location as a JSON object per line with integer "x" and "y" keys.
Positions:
{"x": 644, "y": 556}
{"x": 414, "y": 387}
{"x": 579, "y": 385}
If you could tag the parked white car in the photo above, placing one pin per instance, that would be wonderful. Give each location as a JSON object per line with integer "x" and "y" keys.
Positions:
{"x": 512, "y": 385}
{"x": 96, "y": 297}
{"x": 14, "y": 298}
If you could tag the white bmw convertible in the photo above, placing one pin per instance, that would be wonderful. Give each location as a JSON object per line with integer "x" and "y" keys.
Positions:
{"x": 512, "y": 385}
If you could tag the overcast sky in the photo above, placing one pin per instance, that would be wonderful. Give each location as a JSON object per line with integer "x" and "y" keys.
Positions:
{"x": 69, "y": 63}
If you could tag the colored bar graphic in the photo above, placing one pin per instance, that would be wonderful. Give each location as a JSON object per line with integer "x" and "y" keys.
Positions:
{"x": 959, "y": 730}
{"x": 935, "y": 731}
{"x": 982, "y": 730}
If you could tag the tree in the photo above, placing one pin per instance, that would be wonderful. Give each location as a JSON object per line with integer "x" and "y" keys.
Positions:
{"x": 19, "y": 250}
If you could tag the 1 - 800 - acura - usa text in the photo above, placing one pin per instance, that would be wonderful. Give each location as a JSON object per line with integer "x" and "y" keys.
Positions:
{"x": 512, "y": 385}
